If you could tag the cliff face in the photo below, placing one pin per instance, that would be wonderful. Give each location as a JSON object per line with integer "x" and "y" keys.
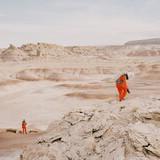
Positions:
{"x": 120, "y": 131}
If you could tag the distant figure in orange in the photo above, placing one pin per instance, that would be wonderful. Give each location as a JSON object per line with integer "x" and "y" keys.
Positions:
{"x": 24, "y": 127}
{"x": 122, "y": 87}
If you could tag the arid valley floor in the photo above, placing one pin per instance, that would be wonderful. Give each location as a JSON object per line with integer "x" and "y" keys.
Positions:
{"x": 68, "y": 96}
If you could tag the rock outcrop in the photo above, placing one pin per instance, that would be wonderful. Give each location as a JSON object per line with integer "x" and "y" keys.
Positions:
{"x": 37, "y": 74}
{"x": 13, "y": 53}
{"x": 45, "y": 50}
{"x": 31, "y": 51}
{"x": 123, "y": 131}
{"x": 58, "y": 74}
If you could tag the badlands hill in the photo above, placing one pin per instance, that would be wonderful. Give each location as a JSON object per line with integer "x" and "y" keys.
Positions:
{"x": 13, "y": 53}
{"x": 44, "y": 50}
{"x": 31, "y": 51}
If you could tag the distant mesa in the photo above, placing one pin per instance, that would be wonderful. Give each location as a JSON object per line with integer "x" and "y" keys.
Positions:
{"x": 153, "y": 41}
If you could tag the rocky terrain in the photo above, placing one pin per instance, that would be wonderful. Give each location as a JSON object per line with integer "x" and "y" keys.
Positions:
{"x": 43, "y": 82}
{"x": 126, "y": 131}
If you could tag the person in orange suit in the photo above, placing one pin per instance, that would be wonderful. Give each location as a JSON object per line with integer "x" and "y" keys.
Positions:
{"x": 24, "y": 127}
{"x": 122, "y": 87}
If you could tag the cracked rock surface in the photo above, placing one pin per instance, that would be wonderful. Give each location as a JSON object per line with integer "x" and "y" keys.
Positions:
{"x": 116, "y": 131}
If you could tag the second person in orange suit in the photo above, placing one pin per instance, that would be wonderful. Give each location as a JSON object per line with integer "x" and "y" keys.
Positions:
{"x": 122, "y": 87}
{"x": 24, "y": 127}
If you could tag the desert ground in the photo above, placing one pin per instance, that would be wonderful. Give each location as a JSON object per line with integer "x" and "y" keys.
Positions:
{"x": 43, "y": 82}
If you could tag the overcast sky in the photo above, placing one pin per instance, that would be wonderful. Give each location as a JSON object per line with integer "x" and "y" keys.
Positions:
{"x": 78, "y": 22}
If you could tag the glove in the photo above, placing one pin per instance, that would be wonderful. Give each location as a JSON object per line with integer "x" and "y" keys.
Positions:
{"x": 128, "y": 91}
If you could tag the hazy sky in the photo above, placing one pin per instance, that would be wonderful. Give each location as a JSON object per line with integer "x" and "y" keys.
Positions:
{"x": 78, "y": 22}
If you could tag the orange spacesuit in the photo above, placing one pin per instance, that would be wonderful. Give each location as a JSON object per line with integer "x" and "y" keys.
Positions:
{"x": 122, "y": 86}
{"x": 24, "y": 127}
